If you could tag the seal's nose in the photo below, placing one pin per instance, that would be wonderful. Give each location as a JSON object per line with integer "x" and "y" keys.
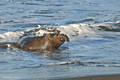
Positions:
{"x": 67, "y": 39}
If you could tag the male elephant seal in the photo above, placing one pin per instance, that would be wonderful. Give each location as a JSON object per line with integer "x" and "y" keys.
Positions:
{"x": 47, "y": 42}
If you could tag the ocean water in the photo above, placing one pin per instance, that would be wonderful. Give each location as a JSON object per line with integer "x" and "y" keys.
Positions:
{"x": 93, "y": 27}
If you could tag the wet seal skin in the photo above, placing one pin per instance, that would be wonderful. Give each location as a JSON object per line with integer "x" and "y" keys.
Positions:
{"x": 47, "y": 42}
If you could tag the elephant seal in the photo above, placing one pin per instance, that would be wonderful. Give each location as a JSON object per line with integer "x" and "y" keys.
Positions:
{"x": 47, "y": 42}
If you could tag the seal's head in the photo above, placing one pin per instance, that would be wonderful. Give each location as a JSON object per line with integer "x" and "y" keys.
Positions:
{"x": 58, "y": 37}
{"x": 56, "y": 40}
{"x": 63, "y": 38}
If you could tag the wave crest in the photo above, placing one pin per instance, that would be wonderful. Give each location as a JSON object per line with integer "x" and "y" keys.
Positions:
{"x": 74, "y": 31}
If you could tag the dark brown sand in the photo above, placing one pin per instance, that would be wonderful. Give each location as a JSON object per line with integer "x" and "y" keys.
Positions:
{"x": 102, "y": 77}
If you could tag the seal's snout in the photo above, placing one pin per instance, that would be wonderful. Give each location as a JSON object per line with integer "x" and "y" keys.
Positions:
{"x": 67, "y": 38}
{"x": 67, "y": 41}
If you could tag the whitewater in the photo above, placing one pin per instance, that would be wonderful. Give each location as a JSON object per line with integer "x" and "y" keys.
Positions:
{"x": 93, "y": 27}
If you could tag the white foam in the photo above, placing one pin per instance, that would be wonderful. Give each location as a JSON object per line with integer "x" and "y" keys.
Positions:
{"x": 94, "y": 64}
{"x": 74, "y": 32}
{"x": 10, "y": 36}
{"x": 78, "y": 31}
{"x": 117, "y": 22}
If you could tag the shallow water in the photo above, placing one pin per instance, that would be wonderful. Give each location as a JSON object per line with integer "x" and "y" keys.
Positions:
{"x": 93, "y": 27}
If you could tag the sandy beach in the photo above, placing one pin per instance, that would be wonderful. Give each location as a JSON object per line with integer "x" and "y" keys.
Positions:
{"x": 101, "y": 77}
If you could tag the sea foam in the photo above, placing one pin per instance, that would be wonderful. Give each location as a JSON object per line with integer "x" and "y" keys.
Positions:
{"x": 74, "y": 31}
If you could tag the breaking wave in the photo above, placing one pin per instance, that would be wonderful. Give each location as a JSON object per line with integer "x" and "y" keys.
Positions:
{"x": 74, "y": 31}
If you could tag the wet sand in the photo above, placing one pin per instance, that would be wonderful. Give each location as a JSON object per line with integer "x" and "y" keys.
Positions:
{"x": 102, "y": 77}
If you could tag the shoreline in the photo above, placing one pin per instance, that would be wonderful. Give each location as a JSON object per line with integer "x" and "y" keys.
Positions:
{"x": 96, "y": 77}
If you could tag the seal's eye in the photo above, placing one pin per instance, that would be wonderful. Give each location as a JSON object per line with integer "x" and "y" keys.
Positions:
{"x": 62, "y": 39}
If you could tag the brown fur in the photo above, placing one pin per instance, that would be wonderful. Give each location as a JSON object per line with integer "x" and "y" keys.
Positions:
{"x": 48, "y": 42}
